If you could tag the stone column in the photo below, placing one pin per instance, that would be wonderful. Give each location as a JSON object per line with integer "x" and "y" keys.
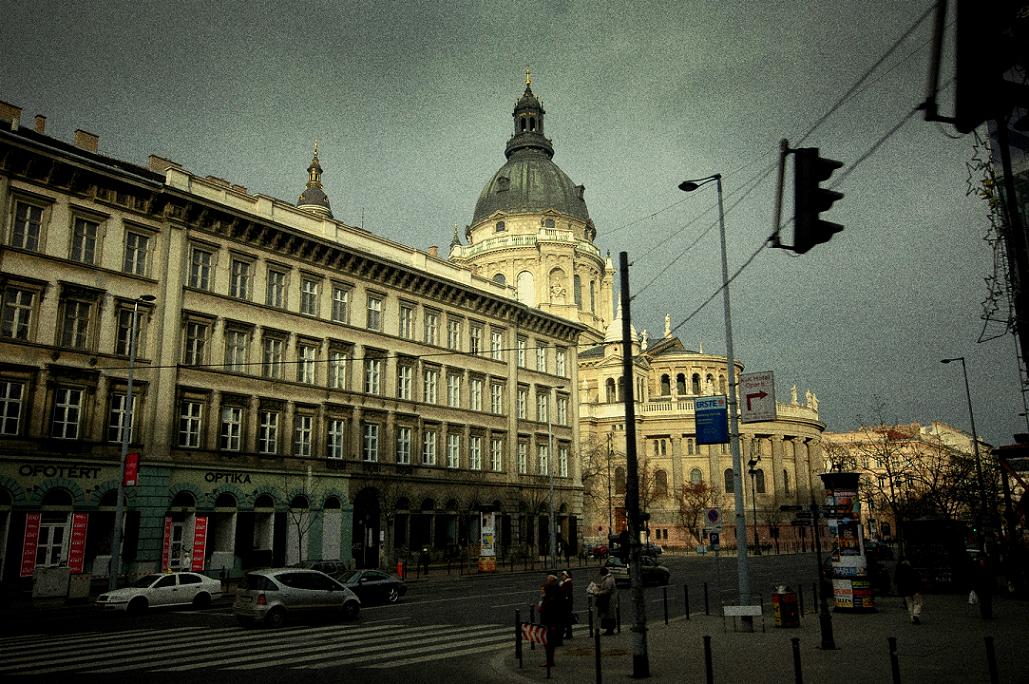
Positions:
{"x": 677, "y": 458}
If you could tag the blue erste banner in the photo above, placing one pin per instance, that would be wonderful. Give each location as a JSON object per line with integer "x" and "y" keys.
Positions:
{"x": 712, "y": 418}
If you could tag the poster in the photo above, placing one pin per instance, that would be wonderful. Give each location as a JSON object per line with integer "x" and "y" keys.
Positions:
{"x": 199, "y": 543}
{"x": 77, "y": 543}
{"x": 852, "y": 588}
{"x": 488, "y": 542}
{"x": 28, "y": 551}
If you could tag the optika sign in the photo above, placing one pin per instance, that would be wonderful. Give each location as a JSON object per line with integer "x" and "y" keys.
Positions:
{"x": 233, "y": 478}
{"x": 69, "y": 472}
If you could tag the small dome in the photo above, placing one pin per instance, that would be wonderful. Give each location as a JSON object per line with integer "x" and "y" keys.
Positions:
{"x": 313, "y": 198}
{"x": 614, "y": 331}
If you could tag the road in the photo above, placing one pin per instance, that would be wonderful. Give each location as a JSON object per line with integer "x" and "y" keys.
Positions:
{"x": 446, "y": 628}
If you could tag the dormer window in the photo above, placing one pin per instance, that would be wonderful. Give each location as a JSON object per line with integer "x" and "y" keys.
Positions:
{"x": 501, "y": 227}
{"x": 548, "y": 223}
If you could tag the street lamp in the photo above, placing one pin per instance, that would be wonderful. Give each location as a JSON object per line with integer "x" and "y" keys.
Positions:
{"x": 550, "y": 474}
{"x": 126, "y": 428}
{"x": 734, "y": 433}
{"x": 752, "y": 464}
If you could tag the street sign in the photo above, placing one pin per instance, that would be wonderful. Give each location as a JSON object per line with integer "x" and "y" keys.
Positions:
{"x": 713, "y": 520}
{"x": 757, "y": 397}
{"x": 712, "y": 418}
{"x": 714, "y": 538}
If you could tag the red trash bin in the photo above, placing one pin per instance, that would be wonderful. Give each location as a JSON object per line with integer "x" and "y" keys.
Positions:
{"x": 784, "y": 608}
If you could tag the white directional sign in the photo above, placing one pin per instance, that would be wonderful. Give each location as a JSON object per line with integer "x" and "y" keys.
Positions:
{"x": 757, "y": 397}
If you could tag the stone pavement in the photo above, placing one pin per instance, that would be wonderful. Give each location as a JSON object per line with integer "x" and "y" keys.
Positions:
{"x": 948, "y": 646}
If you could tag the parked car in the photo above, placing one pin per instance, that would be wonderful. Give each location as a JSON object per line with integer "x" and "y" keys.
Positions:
{"x": 273, "y": 596}
{"x": 651, "y": 571}
{"x": 373, "y": 586}
{"x": 162, "y": 589}
{"x": 652, "y": 549}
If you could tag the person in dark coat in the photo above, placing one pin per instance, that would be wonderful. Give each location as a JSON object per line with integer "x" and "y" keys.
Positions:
{"x": 909, "y": 585}
{"x": 605, "y": 597}
{"x": 568, "y": 602}
{"x": 551, "y": 610}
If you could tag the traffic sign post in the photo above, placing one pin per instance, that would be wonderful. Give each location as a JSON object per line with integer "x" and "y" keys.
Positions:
{"x": 757, "y": 397}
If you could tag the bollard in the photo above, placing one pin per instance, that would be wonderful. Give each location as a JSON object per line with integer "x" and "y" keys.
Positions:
{"x": 894, "y": 660}
{"x": 589, "y": 609}
{"x": 596, "y": 654}
{"x": 518, "y": 637}
{"x": 686, "y": 597}
{"x": 664, "y": 592}
{"x": 798, "y": 676}
{"x": 991, "y": 661}
{"x": 707, "y": 607}
{"x": 708, "y": 667}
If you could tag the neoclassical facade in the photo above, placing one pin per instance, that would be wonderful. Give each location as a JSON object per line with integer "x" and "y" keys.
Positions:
{"x": 302, "y": 388}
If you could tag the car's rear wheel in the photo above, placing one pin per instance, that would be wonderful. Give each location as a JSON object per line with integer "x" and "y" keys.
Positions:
{"x": 202, "y": 600}
{"x": 276, "y": 617}
{"x": 137, "y": 606}
{"x": 394, "y": 595}
{"x": 351, "y": 610}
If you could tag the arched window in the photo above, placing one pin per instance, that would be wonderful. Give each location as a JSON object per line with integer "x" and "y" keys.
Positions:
{"x": 661, "y": 483}
{"x": 225, "y": 500}
{"x": 619, "y": 480}
{"x": 593, "y": 297}
{"x": 501, "y": 227}
{"x": 696, "y": 383}
{"x": 500, "y": 278}
{"x": 548, "y": 223}
{"x": 785, "y": 481}
{"x": 609, "y": 387}
{"x": 680, "y": 384}
{"x": 759, "y": 480}
{"x": 721, "y": 385}
{"x": 709, "y": 383}
{"x": 621, "y": 388}
{"x": 526, "y": 288}
{"x": 666, "y": 385}
{"x": 727, "y": 475}
{"x": 577, "y": 285}
{"x": 696, "y": 477}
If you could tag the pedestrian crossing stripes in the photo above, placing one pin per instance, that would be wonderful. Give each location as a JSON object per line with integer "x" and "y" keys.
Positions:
{"x": 185, "y": 649}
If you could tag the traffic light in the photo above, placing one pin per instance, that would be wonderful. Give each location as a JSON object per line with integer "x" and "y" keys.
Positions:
{"x": 987, "y": 40}
{"x": 809, "y": 199}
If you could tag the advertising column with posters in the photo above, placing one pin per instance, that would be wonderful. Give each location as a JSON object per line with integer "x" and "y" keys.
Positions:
{"x": 488, "y": 542}
{"x": 852, "y": 588}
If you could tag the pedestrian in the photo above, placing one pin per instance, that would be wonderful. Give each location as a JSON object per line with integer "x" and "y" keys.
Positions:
{"x": 551, "y": 611}
{"x": 567, "y": 602}
{"x": 423, "y": 560}
{"x": 605, "y": 598}
{"x": 909, "y": 585}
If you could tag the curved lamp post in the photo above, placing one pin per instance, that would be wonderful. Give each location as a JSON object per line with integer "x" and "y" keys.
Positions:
{"x": 975, "y": 443}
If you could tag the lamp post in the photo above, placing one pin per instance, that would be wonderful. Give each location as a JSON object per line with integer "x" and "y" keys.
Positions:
{"x": 126, "y": 428}
{"x": 550, "y": 475}
{"x": 610, "y": 512}
{"x": 752, "y": 465}
{"x": 742, "y": 567}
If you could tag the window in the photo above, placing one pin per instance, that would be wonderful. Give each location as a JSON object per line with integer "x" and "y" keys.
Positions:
{"x": 496, "y": 454}
{"x": 542, "y": 459}
{"x": 303, "y": 431}
{"x": 475, "y": 394}
{"x": 337, "y": 434}
{"x": 496, "y": 398}
{"x": 786, "y": 481}
{"x": 562, "y": 410}
{"x": 680, "y": 384}
{"x": 195, "y": 353}
{"x": 307, "y": 357}
{"x": 275, "y": 290}
{"x": 67, "y": 413}
{"x": 374, "y": 312}
{"x": 619, "y": 480}
{"x": 728, "y": 478}
{"x": 521, "y": 406}
{"x": 136, "y": 247}
{"x": 453, "y": 451}
{"x": 541, "y": 358}
{"x": 660, "y": 447}
{"x": 52, "y": 537}
{"x": 337, "y": 369}
{"x": 454, "y": 334}
{"x": 593, "y": 297}
{"x": 200, "y": 264}
{"x": 28, "y": 220}
{"x": 431, "y": 327}
{"x": 340, "y": 304}
{"x": 273, "y": 357}
{"x": 17, "y": 313}
{"x": 190, "y": 414}
{"x": 562, "y": 461}
{"x": 75, "y": 323}
{"x": 405, "y": 381}
{"x": 759, "y": 479}
{"x": 520, "y": 346}
{"x": 475, "y": 452}
{"x": 231, "y": 428}
{"x": 430, "y": 386}
{"x": 239, "y": 284}
{"x": 370, "y": 443}
{"x": 404, "y": 445}
{"x": 405, "y": 327}
{"x": 696, "y": 477}
{"x": 496, "y": 345}
{"x": 689, "y": 445}
{"x": 500, "y": 227}
{"x": 475, "y": 340}
{"x": 661, "y": 483}
{"x": 561, "y": 362}
{"x": 11, "y": 401}
{"x": 429, "y": 440}
{"x": 123, "y": 341}
{"x": 523, "y": 458}
{"x": 454, "y": 390}
{"x": 237, "y": 343}
{"x": 695, "y": 383}
{"x": 666, "y": 385}
{"x": 542, "y": 406}
{"x": 309, "y": 297}
{"x": 372, "y": 375}
{"x": 268, "y": 432}
{"x": 83, "y": 240}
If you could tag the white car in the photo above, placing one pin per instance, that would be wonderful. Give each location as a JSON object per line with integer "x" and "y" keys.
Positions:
{"x": 162, "y": 589}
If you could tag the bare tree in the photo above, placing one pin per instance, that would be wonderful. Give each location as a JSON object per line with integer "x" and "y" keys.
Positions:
{"x": 693, "y": 500}
{"x": 297, "y": 491}
{"x": 597, "y": 461}
{"x": 391, "y": 491}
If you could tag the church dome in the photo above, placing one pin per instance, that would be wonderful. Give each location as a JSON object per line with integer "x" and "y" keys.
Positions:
{"x": 530, "y": 181}
{"x": 313, "y": 198}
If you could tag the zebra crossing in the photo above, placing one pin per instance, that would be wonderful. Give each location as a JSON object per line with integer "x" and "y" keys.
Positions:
{"x": 184, "y": 649}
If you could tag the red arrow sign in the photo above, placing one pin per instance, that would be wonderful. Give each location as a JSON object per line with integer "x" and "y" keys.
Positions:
{"x": 756, "y": 395}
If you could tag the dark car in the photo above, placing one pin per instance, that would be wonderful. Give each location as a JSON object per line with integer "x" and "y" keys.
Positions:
{"x": 651, "y": 571}
{"x": 273, "y": 596}
{"x": 373, "y": 586}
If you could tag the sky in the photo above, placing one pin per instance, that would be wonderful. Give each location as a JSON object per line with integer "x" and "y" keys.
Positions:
{"x": 411, "y": 102}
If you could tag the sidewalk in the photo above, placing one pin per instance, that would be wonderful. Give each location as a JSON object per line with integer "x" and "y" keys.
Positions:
{"x": 948, "y": 646}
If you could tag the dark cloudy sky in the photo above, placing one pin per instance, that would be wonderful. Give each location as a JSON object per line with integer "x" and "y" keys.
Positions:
{"x": 411, "y": 103}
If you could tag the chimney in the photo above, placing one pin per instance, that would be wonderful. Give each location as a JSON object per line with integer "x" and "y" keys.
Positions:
{"x": 160, "y": 164}
{"x": 40, "y": 124}
{"x": 86, "y": 141}
{"x": 10, "y": 115}
{"x": 434, "y": 251}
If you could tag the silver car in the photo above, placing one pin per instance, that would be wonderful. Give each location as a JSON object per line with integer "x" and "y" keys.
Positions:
{"x": 162, "y": 589}
{"x": 272, "y": 596}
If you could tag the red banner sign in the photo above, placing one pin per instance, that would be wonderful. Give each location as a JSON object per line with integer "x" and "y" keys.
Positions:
{"x": 199, "y": 543}
{"x": 131, "y": 469}
{"x": 28, "y": 549}
{"x": 166, "y": 548}
{"x": 77, "y": 543}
